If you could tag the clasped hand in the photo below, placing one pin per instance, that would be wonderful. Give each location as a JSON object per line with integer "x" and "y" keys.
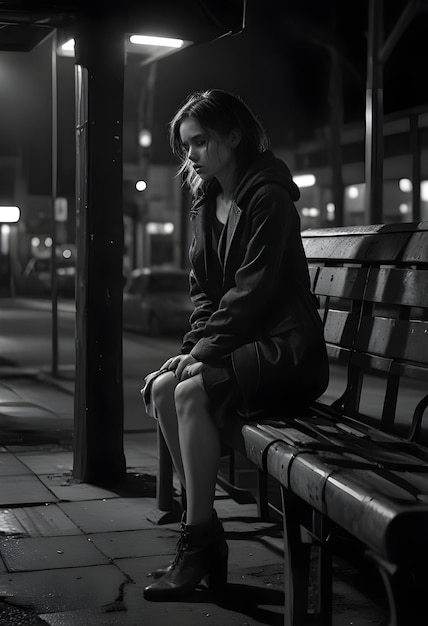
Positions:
{"x": 184, "y": 366}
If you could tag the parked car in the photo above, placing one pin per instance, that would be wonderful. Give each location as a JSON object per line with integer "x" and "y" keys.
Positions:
{"x": 156, "y": 301}
{"x": 37, "y": 277}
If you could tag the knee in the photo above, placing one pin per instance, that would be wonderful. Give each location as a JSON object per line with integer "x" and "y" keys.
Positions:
{"x": 189, "y": 397}
{"x": 163, "y": 388}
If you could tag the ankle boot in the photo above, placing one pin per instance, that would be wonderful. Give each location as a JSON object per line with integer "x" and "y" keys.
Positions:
{"x": 199, "y": 555}
{"x": 161, "y": 571}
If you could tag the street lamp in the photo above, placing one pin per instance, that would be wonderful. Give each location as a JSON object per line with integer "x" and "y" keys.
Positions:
{"x": 149, "y": 47}
{"x": 8, "y": 215}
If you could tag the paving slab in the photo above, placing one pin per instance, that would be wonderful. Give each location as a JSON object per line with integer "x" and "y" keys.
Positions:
{"x": 352, "y": 607}
{"x": 156, "y": 541}
{"x": 246, "y": 602}
{"x": 67, "y": 488}
{"x": 254, "y": 553}
{"x": 230, "y": 511}
{"x": 18, "y": 447}
{"x": 47, "y": 460}
{"x": 36, "y": 521}
{"x": 53, "y": 399}
{"x": 25, "y": 413}
{"x": 95, "y": 617}
{"x": 42, "y": 553}
{"x": 110, "y": 514}
{"x": 23, "y": 489}
{"x": 141, "y": 449}
{"x": 64, "y": 589}
{"x": 10, "y": 465}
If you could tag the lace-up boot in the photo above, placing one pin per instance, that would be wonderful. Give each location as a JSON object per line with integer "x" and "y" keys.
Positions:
{"x": 199, "y": 554}
{"x": 161, "y": 571}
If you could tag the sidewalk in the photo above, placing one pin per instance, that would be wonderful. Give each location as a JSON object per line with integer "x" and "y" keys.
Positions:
{"x": 75, "y": 554}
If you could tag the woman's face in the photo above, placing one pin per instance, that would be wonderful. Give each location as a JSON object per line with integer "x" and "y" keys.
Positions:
{"x": 213, "y": 155}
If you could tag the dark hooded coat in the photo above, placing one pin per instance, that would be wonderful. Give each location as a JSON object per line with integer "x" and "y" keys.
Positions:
{"x": 258, "y": 312}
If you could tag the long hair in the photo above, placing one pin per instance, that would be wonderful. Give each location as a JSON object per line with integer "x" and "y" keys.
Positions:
{"x": 219, "y": 112}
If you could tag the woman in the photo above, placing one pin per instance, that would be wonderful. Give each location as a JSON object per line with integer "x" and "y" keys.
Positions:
{"x": 255, "y": 345}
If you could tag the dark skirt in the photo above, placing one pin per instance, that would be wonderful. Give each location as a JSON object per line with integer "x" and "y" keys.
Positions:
{"x": 261, "y": 386}
{"x": 222, "y": 390}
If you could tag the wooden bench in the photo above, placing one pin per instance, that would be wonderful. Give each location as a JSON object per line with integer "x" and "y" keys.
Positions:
{"x": 354, "y": 469}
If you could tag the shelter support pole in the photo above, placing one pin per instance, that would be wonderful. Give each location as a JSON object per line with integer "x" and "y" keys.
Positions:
{"x": 374, "y": 116}
{"x": 98, "y": 415}
{"x": 54, "y": 191}
{"x": 378, "y": 53}
{"x": 416, "y": 167}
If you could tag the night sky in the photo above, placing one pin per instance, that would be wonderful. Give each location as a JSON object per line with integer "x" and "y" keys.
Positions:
{"x": 280, "y": 64}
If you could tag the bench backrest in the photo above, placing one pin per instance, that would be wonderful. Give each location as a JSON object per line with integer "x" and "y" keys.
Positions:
{"x": 372, "y": 283}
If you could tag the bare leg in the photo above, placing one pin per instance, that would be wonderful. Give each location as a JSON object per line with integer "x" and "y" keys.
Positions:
{"x": 204, "y": 550}
{"x": 200, "y": 448}
{"x": 163, "y": 396}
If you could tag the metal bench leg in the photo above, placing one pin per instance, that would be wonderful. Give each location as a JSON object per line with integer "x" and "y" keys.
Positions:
{"x": 168, "y": 509}
{"x": 324, "y": 584}
{"x": 262, "y": 496}
{"x": 324, "y": 608}
{"x": 405, "y": 604}
{"x": 296, "y": 565}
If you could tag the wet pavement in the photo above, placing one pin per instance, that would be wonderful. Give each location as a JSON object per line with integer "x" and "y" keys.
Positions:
{"x": 76, "y": 554}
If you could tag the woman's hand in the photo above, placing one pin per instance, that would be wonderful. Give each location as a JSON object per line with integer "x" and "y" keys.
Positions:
{"x": 184, "y": 366}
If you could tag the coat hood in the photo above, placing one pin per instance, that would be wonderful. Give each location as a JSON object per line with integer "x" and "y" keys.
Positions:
{"x": 264, "y": 170}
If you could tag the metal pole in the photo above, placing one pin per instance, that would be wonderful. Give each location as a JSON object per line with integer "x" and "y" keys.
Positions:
{"x": 98, "y": 409}
{"x": 54, "y": 290}
{"x": 374, "y": 116}
{"x": 336, "y": 119}
{"x": 416, "y": 167}
{"x": 409, "y": 12}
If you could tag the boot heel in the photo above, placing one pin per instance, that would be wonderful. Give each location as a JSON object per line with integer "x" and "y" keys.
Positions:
{"x": 216, "y": 577}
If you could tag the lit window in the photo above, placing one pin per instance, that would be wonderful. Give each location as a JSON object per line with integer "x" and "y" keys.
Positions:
{"x": 305, "y": 180}
{"x": 160, "y": 228}
{"x": 310, "y": 212}
{"x": 331, "y": 210}
{"x": 353, "y": 192}
{"x": 405, "y": 184}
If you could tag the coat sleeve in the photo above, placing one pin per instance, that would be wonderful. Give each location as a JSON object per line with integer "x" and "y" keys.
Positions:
{"x": 204, "y": 308}
{"x": 246, "y": 306}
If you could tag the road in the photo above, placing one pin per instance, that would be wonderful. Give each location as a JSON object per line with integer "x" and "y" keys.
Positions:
{"x": 26, "y": 342}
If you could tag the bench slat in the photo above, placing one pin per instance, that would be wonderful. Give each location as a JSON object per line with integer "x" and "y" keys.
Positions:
{"x": 395, "y": 339}
{"x": 340, "y": 327}
{"x": 341, "y": 282}
{"x": 356, "y": 248}
{"x": 398, "y": 286}
{"x": 416, "y": 251}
